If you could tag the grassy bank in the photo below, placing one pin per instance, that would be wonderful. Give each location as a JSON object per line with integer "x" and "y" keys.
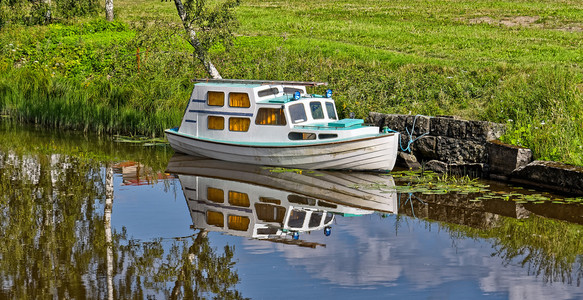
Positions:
{"x": 515, "y": 62}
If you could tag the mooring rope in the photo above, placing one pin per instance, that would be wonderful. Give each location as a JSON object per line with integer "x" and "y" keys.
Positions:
{"x": 409, "y": 133}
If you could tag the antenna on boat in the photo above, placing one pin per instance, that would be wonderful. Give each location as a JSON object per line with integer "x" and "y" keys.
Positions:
{"x": 262, "y": 82}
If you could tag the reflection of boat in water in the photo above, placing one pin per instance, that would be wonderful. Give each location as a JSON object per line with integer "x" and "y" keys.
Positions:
{"x": 268, "y": 203}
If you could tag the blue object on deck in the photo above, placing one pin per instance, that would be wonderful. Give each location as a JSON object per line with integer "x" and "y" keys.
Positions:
{"x": 346, "y": 123}
{"x": 328, "y": 93}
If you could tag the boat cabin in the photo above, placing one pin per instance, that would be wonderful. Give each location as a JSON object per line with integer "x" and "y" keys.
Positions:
{"x": 279, "y": 112}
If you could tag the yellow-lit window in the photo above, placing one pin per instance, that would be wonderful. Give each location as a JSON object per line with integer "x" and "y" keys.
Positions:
{"x": 215, "y": 218}
{"x": 239, "y": 100}
{"x": 238, "y": 199}
{"x": 216, "y": 98}
{"x": 238, "y": 223}
{"x": 217, "y": 123}
{"x": 270, "y": 116}
{"x": 269, "y": 213}
{"x": 215, "y": 195}
{"x": 239, "y": 124}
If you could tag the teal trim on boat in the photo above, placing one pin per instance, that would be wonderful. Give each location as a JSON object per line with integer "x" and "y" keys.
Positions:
{"x": 350, "y": 215}
{"x": 281, "y": 144}
{"x": 346, "y": 123}
{"x": 279, "y": 100}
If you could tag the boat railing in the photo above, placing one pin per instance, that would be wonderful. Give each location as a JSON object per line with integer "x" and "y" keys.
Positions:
{"x": 262, "y": 82}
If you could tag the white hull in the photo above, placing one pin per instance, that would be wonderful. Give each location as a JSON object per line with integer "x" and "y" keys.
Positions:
{"x": 377, "y": 152}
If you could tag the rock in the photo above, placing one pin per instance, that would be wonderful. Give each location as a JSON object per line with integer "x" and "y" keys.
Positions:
{"x": 436, "y": 166}
{"x": 439, "y": 126}
{"x": 551, "y": 175}
{"x": 453, "y": 150}
{"x": 425, "y": 147}
{"x": 504, "y": 158}
{"x": 408, "y": 161}
{"x": 419, "y": 124}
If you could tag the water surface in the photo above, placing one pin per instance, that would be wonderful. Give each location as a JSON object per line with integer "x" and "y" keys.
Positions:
{"x": 85, "y": 217}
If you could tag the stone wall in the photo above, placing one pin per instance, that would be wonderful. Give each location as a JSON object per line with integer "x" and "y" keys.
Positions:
{"x": 448, "y": 144}
{"x": 444, "y": 141}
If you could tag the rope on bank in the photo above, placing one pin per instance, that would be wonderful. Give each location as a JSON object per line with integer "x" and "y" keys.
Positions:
{"x": 409, "y": 133}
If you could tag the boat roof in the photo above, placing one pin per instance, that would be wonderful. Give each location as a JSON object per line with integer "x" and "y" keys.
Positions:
{"x": 255, "y": 83}
{"x": 228, "y": 84}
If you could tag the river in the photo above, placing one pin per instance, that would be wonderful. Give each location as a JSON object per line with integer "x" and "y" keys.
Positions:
{"x": 83, "y": 216}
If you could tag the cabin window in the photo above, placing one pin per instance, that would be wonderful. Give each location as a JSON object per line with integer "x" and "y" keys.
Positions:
{"x": 328, "y": 219}
{"x": 293, "y": 198}
{"x": 239, "y": 100}
{"x": 295, "y": 136}
{"x": 268, "y": 92}
{"x": 268, "y": 230}
{"x": 270, "y": 213}
{"x": 216, "y": 98}
{"x": 215, "y": 195}
{"x": 326, "y": 204}
{"x": 238, "y": 223}
{"x": 317, "y": 110}
{"x": 270, "y": 200}
{"x": 324, "y": 136}
{"x": 291, "y": 90}
{"x": 238, "y": 199}
{"x": 215, "y": 218}
{"x": 270, "y": 116}
{"x": 331, "y": 111}
{"x": 239, "y": 124}
{"x": 297, "y": 113}
{"x": 216, "y": 123}
{"x": 296, "y": 218}
{"x": 315, "y": 219}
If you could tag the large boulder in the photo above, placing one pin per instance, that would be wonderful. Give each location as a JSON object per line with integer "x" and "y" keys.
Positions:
{"x": 504, "y": 159}
{"x": 551, "y": 175}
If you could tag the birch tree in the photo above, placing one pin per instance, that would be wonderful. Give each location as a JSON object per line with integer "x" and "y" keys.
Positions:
{"x": 109, "y": 10}
{"x": 207, "y": 26}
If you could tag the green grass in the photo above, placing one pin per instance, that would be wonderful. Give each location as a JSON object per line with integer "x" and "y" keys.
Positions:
{"x": 515, "y": 62}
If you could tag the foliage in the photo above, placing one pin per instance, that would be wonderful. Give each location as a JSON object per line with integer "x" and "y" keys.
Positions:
{"x": 474, "y": 59}
{"x": 35, "y": 12}
{"x": 213, "y": 24}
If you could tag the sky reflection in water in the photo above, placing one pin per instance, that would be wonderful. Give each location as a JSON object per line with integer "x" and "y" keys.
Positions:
{"x": 368, "y": 254}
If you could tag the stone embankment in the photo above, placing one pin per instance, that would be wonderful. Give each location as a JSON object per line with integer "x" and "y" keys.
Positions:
{"x": 449, "y": 144}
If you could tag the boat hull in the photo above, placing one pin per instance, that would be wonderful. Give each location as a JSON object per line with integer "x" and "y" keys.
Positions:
{"x": 378, "y": 152}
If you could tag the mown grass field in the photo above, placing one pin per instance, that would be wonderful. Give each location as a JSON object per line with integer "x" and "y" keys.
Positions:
{"x": 515, "y": 62}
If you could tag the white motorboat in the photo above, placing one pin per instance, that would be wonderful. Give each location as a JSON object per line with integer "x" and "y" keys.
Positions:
{"x": 277, "y": 123}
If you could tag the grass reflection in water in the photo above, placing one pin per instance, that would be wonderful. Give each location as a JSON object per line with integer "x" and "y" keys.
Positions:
{"x": 535, "y": 229}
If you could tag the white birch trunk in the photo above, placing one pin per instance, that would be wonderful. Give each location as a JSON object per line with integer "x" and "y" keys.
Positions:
{"x": 108, "y": 234}
{"x": 193, "y": 40}
{"x": 109, "y": 10}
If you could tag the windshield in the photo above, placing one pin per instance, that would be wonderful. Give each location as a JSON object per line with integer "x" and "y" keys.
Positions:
{"x": 297, "y": 113}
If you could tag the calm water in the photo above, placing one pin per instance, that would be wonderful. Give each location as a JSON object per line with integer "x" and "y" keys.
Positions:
{"x": 84, "y": 217}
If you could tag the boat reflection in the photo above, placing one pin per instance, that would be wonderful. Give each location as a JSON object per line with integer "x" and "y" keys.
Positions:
{"x": 276, "y": 204}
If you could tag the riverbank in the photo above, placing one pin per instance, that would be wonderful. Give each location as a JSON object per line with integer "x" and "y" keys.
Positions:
{"x": 450, "y": 145}
{"x": 521, "y": 68}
